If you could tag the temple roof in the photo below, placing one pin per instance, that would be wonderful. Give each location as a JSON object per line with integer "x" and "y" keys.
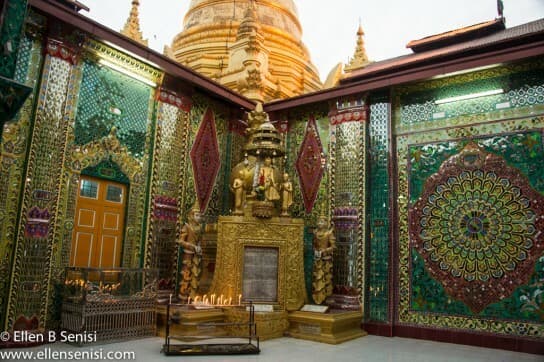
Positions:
{"x": 457, "y": 36}
{"x": 534, "y": 28}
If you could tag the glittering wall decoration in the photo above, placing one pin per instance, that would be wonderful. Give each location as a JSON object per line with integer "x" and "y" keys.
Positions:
{"x": 169, "y": 161}
{"x": 378, "y": 213}
{"x": 469, "y": 212}
{"x": 33, "y": 252}
{"x": 348, "y": 190}
{"x": 477, "y": 224}
{"x": 12, "y": 161}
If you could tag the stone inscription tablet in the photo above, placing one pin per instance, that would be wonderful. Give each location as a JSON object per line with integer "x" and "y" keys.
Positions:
{"x": 260, "y": 278}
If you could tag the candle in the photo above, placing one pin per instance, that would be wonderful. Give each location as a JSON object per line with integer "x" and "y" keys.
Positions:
{"x": 240, "y": 299}
{"x": 230, "y": 300}
{"x": 170, "y": 299}
{"x": 189, "y": 300}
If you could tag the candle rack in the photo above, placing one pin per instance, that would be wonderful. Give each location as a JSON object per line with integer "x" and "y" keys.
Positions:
{"x": 178, "y": 345}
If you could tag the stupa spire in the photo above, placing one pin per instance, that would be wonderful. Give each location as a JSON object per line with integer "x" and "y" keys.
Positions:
{"x": 360, "y": 59}
{"x": 132, "y": 26}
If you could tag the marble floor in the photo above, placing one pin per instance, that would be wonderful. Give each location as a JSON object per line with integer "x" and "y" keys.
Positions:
{"x": 368, "y": 349}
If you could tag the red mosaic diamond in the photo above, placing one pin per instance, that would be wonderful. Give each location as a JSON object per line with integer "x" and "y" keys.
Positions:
{"x": 205, "y": 159}
{"x": 309, "y": 167}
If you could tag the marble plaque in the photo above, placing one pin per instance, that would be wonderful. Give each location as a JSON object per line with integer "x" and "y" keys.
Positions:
{"x": 260, "y": 277}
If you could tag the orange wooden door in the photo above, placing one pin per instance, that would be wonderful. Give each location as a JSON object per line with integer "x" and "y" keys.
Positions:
{"x": 99, "y": 227}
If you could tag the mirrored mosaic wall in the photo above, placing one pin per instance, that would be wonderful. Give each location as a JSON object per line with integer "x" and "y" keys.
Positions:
{"x": 15, "y": 143}
{"x": 470, "y": 205}
{"x": 378, "y": 212}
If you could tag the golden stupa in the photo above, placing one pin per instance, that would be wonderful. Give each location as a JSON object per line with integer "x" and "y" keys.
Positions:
{"x": 253, "y": 47}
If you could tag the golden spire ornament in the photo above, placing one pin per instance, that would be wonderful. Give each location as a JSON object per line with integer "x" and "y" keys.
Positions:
{"x": 360, "y": 59}
{"x": 132, "y": 26}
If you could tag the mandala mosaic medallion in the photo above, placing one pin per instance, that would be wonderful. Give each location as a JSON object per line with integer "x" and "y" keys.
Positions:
{"x": 205, "y": 159}
{"x": 478, "y": 224}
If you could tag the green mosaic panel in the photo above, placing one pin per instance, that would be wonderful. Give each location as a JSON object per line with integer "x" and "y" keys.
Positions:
{"x": 14, "y": 20}
{"x": 422, "y": 300}
{"x": 110, "y": 99}
{"x": 378, "y": 214}
{"x": 524, "y": 151}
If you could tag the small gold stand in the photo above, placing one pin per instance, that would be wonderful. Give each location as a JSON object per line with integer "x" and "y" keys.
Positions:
{"x": 331, "y": 328}
{"x": 193, "y": 318}
{"x": 269, "y": 324}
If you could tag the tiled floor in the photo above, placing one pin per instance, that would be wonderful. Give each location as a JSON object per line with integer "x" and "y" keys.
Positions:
{"x": 370, "y": 348}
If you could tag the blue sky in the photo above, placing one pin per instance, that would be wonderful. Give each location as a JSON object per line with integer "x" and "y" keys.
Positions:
{"x": 329, "y": 27}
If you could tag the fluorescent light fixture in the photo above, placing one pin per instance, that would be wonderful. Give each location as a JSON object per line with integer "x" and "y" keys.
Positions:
{"x": 143, "y": 60}
{"x": 120, "y": 69}
{"x": 469, "y": 96}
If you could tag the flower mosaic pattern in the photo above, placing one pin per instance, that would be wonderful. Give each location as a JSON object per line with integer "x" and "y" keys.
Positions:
{"x": 478, "y": 225}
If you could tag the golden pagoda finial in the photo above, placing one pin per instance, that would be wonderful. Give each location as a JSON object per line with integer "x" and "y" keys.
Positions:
{"x": 360, "y": 59}
{"x": 249, "y": 23}
{"x": 132, "y": 26}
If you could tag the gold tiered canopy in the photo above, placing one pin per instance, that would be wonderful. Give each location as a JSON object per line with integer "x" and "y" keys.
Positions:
{"x": 264, "y": 59}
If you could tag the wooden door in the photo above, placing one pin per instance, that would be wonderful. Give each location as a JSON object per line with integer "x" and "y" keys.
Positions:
{"x": 99, "y": 225}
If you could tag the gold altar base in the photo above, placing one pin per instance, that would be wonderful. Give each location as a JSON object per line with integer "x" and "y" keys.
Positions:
{"x": 269, "y": 324}
{"x": 333, "y": 328}
{"x": 190, "y": 316}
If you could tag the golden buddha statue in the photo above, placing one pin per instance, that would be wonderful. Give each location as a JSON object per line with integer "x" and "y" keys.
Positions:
{"x": 286, "y": 188}
{"x": 267, "y": 179}
{"x": 239, "y": 193}
{"x": 324, "y": 245}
